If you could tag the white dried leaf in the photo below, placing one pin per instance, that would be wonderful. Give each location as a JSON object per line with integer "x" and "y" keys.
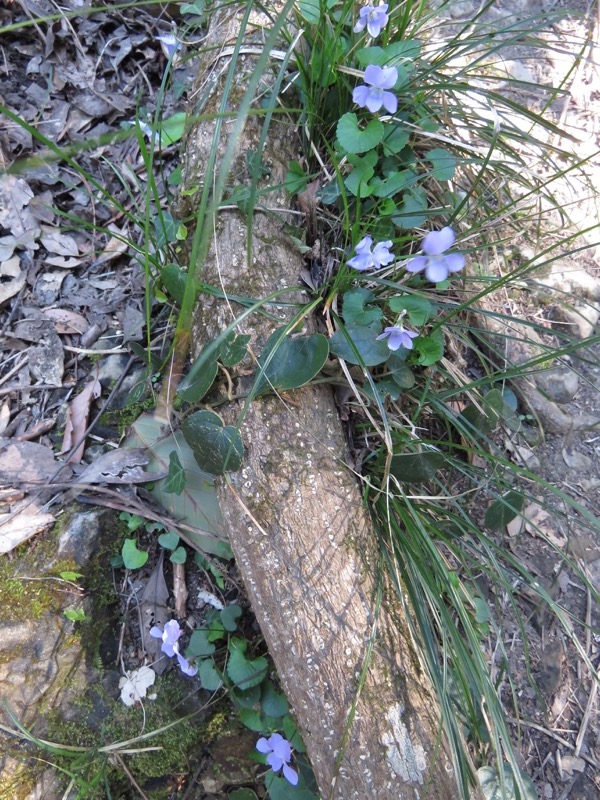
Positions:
{"x": 135, "y": 685}
{"x": 210, "y": 600}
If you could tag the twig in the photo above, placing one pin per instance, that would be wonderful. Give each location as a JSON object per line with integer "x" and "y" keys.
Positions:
{"x": 554, "y": 736}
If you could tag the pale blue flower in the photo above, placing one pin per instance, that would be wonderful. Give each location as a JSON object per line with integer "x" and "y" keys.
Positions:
{"x": 373, "y": 18}
{"x": 365, "y": 259}
{"x": 436, "y": 262}
{"x": 170, "y": 644}
{"x": 375, "y": 95}
{"x": 398, "y": 337}
{"x": 279, "y": 754}
{"x": 169, "y": 43}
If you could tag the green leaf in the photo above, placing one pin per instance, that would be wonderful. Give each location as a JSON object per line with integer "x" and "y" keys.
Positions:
{"x": 172, "y": 129}
{"x": 358, "y": 140}
{"x": 444, "y": 164}
{"x": 178, "y": 556}
{"x": 168, "y": 540}
{"x": 245, "y": 672}
{"x": 395, "y": 139}
{"x": 429, "y": 348}
{"x": 216, "y": 630}
{"x": 295, "y": 178}
{"x": 411, "y": 211}
{"x": 70, "y": 576}
{"x": 199, "y": 646}
{"x": 133, "y": 521}
{"x": 248, "y": 698}
{"x": 210, "y": 679}
{"x": 132, "y": 557}
{"x": 252, "y": 719}
{"x": 173, "y": 280}
{"x": 217, "y": 448}
{"x": 233, "y": 349}
{"x": 493, "y": 790}
{"x": 416, "y": 467}
{"x": 400, "y": 53}
{"x": 394, "y": 183}
{"x": 165, "y": 229}
{"x": 357, "y": 182}
{"x": 484, "y": 421}
{"x": 294, "y": 362}
{"x": 418, "y": 309}
{"x": 293, "y": 735}
{"x": 366, "y": 350}
{"x": 402, "y": 376}
{"x": 175, "y": 480}
{"x": 242, "y": 794}
{"x": 355, "y": 311}
{"x": 193, "y": 390}
{"x": 198, "y": 505}
{"x": 384, "y": 387}
{"x": 504, "y": 510}
{"x": 279, "y": 789}
{"x": 310, "y": 10}
{"x": 482, "y": 610}
{"x": 272, "y": 702}
{"x": 229, "y": 617}
{"x": 75, "y": 614}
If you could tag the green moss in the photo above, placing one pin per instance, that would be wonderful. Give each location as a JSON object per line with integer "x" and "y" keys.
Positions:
{"x": 122, "y": 418}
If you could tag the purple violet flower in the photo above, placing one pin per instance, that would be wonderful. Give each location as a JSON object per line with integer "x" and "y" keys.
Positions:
{"x": 365, "y": 259}
{"x": 169, "y": 43}
{"x": 373, "y": 18}
{"x": 170, "y": 645}
{"x": 375, "y": 95}
{"x": 436, "y": 262}
{"x": 398, "y": 337}
{"x": 279, "y": 754}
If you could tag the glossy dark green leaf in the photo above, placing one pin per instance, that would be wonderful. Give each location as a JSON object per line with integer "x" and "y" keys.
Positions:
{"x": 294, "y": 362}
{"x": 504, "y": 510}
{"x": 175, "y": 481}
{"x": 233, "y": 349}
{"x": 416, "y": 467}
{"x": 217, "y": 448}
{"x": 364, "y": 349}
{"x": 174, "y": 280}
{"x": 194, "y": 390}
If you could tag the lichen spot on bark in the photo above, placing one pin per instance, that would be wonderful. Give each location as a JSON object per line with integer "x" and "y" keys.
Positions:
{"x": 406, "y": 757}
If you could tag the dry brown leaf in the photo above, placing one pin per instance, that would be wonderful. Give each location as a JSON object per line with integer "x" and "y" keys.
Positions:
{"x": 21, "y": 524}
{"x": 115, "y": 247}
{"x": 62, "y": 262}
{"x": 66, "y": 321}
{"x": 515, "y": 526}
{"x": 46, "y": 361}
{"x": 121, "y": 466}
{"x": 11, "y": 270}
{"x": 25, "y": 462}
{"x": 56, "y": 242}
{"x": 540, "y": 522}
{"x": 77, "y": 419}
{"x": 154, "y": 611}
{"x": 15, "y": 194}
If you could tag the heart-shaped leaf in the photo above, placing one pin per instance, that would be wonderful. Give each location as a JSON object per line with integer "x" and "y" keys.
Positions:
{"x": 418, "y": 309}
{"x": 416, "y": 467}
{"x": 168, "y": 540}
{"x": 245, "y": 672}
{"x": 174, "y": 280}
{"x": 358, "y": 140}
{"x": 233, "y": 349}
{"x": 290, "y": 363}
{"x": 210, "y": 679}
{"x": 504, "y": 510}
{"x": 355, "y": 311}
{"x": 199, "y": 646}
{"x": 230, "y": 616}
{"x": 175, "y": 480}
{"x": 217, "y": 448}
{"x": 412, "y": 211}
{"x": 132, "y": 557}
{"x": 430, "y": 348}
{"x": 365, "y": 349}
{"x": 444, "y": 164}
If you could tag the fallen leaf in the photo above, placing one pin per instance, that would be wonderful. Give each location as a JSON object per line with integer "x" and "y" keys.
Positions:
{"x": 26, "y": 462}
{"x": 539, "y": 522}
{"x": 4, "y": 416}
{"x": 117, "y": 245}
{"x": 15, "y": 194}
{"x": 46, "y": 361}
{"x": 66, "y": 321}
{"x": 11, "y": 269}
{"x": 135, "y": 685}
{"x": 62, "y": 262}
{"x": 56, "y": 242}
{"x": 121, "y": 466}
{"x": 77, "y": 419}
{"x": 21, "y": 524}
{"x": 154, "y": 611}
{"x": 571, "y": 764}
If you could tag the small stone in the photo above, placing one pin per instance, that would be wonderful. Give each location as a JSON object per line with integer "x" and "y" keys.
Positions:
{"x": 579, "y": 320}
{"x": 560, "y": 384}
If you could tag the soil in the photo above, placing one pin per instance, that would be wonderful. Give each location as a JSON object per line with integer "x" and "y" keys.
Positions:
{"x": 79, "y": 79}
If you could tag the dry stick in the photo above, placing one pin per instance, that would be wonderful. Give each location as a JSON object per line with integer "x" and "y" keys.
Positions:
{"x": 595, "y": 678}
{"x": 554, "y": 736}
